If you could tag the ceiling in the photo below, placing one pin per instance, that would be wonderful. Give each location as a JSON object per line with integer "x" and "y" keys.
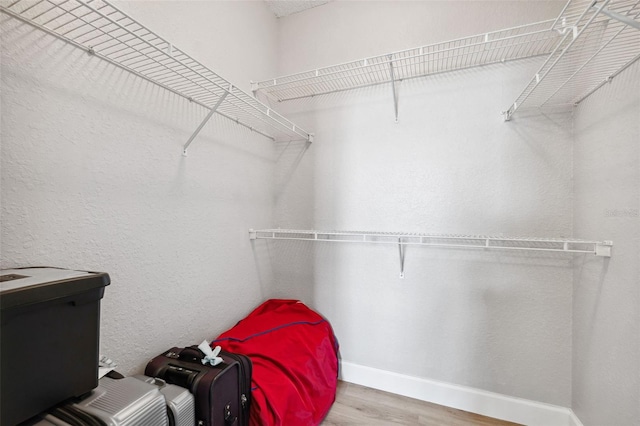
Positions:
{"x": 288, "y": 7}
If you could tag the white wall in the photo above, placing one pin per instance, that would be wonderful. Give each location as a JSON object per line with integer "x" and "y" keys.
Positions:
{"x": 93, "y": 177}
{"x": 495, "y": 321}
{"x": 606, "y": 316}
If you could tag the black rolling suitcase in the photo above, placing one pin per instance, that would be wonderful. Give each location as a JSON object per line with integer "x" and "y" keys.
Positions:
{"x": 222, "y": 392}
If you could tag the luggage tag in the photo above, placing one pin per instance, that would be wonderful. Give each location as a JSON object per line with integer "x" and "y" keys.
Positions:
{"x": 210, "y": 355}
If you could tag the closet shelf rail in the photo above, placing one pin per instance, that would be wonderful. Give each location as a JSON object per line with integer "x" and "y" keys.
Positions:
{"x": 570, "y": 245}
{"x": 106, "y": 32}
{"x": 497, "y": 46}
{"x": 600, "y": 39}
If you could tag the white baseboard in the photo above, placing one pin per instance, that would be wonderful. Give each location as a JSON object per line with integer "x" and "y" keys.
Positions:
{"x": 575, "y": 421}
{"x": 465, "y": 398}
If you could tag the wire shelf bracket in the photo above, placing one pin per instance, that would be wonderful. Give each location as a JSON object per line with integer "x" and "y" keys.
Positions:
{"x": 600, "y": 40}
{"x": 206, "y": 119}
{"x": 557, "y": 245}
{"x": 105, "y": 31}
{"x": 393, "y": 87}
{"x": 401, "y": 249}
{"x": 521, "y": 42}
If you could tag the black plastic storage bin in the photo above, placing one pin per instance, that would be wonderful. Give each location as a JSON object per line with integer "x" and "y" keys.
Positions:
{"x": 49, "y": 338}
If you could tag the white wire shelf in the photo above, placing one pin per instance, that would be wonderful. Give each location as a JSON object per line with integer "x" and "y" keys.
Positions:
{"x": 601, "y": 38}
{"x": 598, "y": 248}
{"x": 105, "y": 31}
{"x": 498, "y": 46}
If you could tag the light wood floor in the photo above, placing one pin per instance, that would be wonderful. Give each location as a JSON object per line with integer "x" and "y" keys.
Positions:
{"x": 358, "y": 405}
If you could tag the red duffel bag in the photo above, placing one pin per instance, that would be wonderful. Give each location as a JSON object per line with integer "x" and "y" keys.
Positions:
{"x": 295, "y": 362}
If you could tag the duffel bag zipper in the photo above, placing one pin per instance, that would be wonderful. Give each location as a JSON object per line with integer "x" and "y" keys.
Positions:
{"x": 243, "y": 391}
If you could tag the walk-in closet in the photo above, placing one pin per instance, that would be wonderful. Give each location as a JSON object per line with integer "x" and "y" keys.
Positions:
{"x": 453, "y": 185}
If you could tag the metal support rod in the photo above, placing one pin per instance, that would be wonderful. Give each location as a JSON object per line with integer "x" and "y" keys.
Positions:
{"x": 622, "y": 18}
{"x": 393, "y": 87}
{"x": 206, "y": 119}
{"x": 401, "y": 248}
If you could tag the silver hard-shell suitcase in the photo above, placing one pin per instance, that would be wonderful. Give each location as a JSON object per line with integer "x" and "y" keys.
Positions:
{"x": 126, "y": 402}
{"x": 50, "y": 420}
{"x": 181, "y": 406}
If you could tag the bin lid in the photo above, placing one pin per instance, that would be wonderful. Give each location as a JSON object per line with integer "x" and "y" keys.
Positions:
{"x": 25, "y": 286}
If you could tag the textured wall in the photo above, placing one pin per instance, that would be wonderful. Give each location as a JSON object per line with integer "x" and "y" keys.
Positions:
{"x": 496, "y": 321}
{"x": 606, "y": 316}
{"x": 93, "y": 177}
